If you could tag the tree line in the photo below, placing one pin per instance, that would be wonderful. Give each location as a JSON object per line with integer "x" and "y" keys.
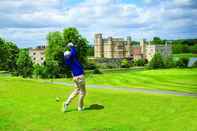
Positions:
{"x": 179, "y": 46}
{"x": 19, "y": 63}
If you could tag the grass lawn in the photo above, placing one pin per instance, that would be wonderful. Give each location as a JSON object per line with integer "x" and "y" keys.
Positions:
{"x": 30, "y": 105}
{"x": 187, "y": 55}
{"x": 165, "y": 79}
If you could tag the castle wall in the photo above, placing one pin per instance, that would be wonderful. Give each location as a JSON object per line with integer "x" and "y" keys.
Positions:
{"x": 37, "y": 55}
{"x": 164, "y": 50}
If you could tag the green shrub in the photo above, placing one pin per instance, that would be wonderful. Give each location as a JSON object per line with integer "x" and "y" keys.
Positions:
{"x": 194, "y": 64}
{"x": 24, "y": 64}
{"x": 169, "y": 62}
{"x": 125, "y": 63}
{"x": 97, "y": 71}
{"x": 90, "y": 66}
{"x": 182, "y": 62}
{"x": 140, "y": 62}
{"x": 40, "y": 71}
{"x": 156, "y": 62}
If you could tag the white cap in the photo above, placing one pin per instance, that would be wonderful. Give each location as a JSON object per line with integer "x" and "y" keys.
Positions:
{"x": 70, "y": 44}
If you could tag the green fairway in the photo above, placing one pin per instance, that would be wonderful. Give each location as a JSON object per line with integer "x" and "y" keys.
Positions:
{"x": 187, "y": 55}
{"x": 30, "y": 105}
{"x": 165, "y": 79}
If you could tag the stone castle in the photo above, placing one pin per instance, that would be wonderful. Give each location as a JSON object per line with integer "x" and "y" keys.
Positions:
{"x": 113, "y": 48}
{"x": 37, "y": 54}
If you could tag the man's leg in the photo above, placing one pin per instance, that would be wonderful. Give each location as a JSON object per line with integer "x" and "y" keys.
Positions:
{"x": 82, "y": 93}
{"x": 72, "y": 96}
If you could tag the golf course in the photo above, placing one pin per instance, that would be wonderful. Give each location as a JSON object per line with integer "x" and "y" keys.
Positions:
{"x": 30, "y": 104}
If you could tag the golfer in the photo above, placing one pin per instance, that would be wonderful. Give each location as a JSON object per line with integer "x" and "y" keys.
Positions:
{"x": 77, "y": 71}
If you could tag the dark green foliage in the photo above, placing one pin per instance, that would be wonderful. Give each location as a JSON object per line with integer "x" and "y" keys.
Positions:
{"x": 193, "y": 49}
{"x": 90, "y": 51}
{"x": 12, "y": 54}
{"x": 81, "y": 43}
{"x": 140, "y": 62}
{"x": 8, "y": 55}
{"x": 157, "y": 41}
{"x": 57, "y": 42}
{"x": 24, "y": 64}
{"x": 125, "y": 63}
{"x": 156, "y": 62}
{"x": 184, "y": 46}
{"x": 169, "y": 62}
{"x": 40, "y": 71}
{"x": 195, "y": 64}
{"x": 182, "y": 62}
{"x": 90, "y": 66}
{"x": 97, "y": 71}
{"x": 52, "y": 69}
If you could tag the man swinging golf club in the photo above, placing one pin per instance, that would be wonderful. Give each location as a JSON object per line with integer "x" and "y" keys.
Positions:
{"x": 70, "y": 56}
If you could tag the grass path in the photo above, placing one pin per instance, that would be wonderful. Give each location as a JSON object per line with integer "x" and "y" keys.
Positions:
{"x": 182, "y": 80}
{"x": 142, "y": 90}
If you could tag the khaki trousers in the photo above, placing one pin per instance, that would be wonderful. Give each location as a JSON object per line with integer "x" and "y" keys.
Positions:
{"x": 79, "y": 90}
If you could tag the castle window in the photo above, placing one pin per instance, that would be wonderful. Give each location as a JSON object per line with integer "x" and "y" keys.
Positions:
{"x": 34, "y": 58}
{"x": 34, "y": 53}
{"x": 120, "y": 47}
{"x": 41, "y": 58}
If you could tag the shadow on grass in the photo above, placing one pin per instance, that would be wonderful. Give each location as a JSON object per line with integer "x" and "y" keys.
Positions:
{"x": 94, "y": 107}
{"x": 91, "y": 107}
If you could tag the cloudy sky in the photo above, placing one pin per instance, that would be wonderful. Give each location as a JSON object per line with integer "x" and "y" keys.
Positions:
{"x": 27, "y": 22}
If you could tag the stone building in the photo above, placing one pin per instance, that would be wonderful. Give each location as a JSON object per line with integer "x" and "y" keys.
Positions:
{"x": 112, "y": 47}
{"x": 37, "y": 54}
{"x": 121, "y": 48}
{"x": 164, "y": 50}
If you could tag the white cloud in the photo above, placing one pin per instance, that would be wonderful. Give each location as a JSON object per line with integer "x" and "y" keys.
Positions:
{"x": 33, "y": 19}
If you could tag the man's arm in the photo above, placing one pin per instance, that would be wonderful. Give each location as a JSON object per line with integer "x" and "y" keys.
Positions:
{"x": 73, "y": 51}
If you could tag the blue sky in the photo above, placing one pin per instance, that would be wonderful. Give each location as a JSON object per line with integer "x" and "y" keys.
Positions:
{"x": 28, "y": 22}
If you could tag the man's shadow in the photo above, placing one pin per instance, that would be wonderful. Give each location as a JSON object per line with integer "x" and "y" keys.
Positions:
{"x": 94, "y": 107}
{"x": 91, "y": 107}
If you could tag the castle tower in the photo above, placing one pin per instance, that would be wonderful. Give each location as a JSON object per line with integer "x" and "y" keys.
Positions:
{"x": 98, "y": 48}
{"x": 108, "y": 48}
{"x": 129, "y": 47}
{"x": 143, "y": 47}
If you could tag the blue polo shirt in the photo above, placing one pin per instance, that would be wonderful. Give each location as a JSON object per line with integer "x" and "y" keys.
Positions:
{"x": 73, "y": 63}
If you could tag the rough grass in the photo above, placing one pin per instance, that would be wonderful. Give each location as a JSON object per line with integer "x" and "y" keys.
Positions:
{"x": 166, "y": 79}
{"x": 30, "y": 105}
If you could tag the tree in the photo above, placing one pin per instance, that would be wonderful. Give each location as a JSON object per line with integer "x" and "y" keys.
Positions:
{"x": 24, "y": 64}
{"x": 8, "y": 55}
{"x": 169, "y": 62}
{"x": 125, "y": 63}
{"x": 193, "y": 49}
{"x": 2, "y": 53}
{"x": 57, "y": 42}
{"x": 156, "y": 62}
{"x": 182, "y": 62}
{"x": 81, "y": 43}
{"x": 158, "y": 41}
{"x": 11, "y": 55}
{"x": 54, "y": 52}
{"x": 90, "y": 51}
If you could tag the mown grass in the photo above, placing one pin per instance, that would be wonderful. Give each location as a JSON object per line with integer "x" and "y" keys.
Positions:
{"x": 186, "y": 55}
{"x": 166, "y": 79}
{"x": 30, "y": 105}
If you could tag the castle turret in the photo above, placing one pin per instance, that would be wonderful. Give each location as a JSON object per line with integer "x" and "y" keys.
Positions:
{"x": 108, "y": 48}
{"x": 143, "y": 47}
{"x": 98, "y": 48}
{"x": 129, "y": 47}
